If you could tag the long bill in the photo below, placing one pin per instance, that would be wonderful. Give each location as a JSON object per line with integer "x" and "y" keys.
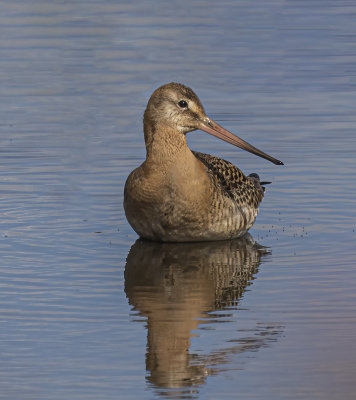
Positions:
{"x": 210, "y": 126}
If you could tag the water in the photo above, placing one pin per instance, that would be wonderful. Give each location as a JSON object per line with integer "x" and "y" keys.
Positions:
{"x": 86, "y": 312}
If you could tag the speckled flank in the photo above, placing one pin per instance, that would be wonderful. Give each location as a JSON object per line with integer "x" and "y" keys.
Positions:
{"x": 235, "y": 198}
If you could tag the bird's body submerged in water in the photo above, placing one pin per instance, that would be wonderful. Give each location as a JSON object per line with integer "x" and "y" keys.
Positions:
{"x": 179, "y": 195}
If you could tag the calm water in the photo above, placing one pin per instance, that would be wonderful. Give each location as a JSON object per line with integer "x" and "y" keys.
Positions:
{"x": 89, "y": 312}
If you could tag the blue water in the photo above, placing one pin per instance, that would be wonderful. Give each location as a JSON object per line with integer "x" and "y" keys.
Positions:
{"x": 86, "y": 312}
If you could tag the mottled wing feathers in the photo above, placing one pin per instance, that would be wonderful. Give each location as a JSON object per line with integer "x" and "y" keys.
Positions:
{"x": 244, "y": 190}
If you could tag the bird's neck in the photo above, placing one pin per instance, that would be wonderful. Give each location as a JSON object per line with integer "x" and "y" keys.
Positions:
{"x": 164, "y": 144}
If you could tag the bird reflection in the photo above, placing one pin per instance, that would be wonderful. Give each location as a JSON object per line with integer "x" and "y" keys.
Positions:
{"x": 178, "y": 286}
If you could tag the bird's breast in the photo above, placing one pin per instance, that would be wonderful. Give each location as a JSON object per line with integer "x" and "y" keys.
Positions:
{"x": 161, "y": 201}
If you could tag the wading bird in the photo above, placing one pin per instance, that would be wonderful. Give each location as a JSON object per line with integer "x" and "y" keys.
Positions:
{"x": 180, "y": 195}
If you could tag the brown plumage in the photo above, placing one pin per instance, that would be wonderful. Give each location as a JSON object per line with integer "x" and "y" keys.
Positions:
{"x": 177, "y": 195}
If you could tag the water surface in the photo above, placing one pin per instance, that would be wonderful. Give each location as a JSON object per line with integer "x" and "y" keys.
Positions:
{"x": 86, "y": 310}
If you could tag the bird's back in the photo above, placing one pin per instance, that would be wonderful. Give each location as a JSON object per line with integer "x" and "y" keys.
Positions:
{"x": 244, "y": 190}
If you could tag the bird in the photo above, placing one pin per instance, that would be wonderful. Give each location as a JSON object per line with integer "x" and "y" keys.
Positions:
{"x": 181, "y": 195}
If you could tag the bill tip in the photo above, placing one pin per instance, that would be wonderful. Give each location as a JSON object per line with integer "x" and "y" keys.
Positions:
{"x": 276, "y": 162}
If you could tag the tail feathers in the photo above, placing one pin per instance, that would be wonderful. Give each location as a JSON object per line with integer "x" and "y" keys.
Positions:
{"x": 256, "y": 180}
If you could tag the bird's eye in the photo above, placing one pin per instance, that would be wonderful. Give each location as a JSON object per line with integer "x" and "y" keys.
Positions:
{"x": 183, "y": 104}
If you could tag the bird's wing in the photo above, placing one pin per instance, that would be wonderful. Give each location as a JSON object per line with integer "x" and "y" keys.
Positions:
{"x": 245, "y": 190}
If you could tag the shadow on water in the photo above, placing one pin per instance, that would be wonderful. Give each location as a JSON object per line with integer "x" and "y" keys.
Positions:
{"x": 180, "y": 286}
